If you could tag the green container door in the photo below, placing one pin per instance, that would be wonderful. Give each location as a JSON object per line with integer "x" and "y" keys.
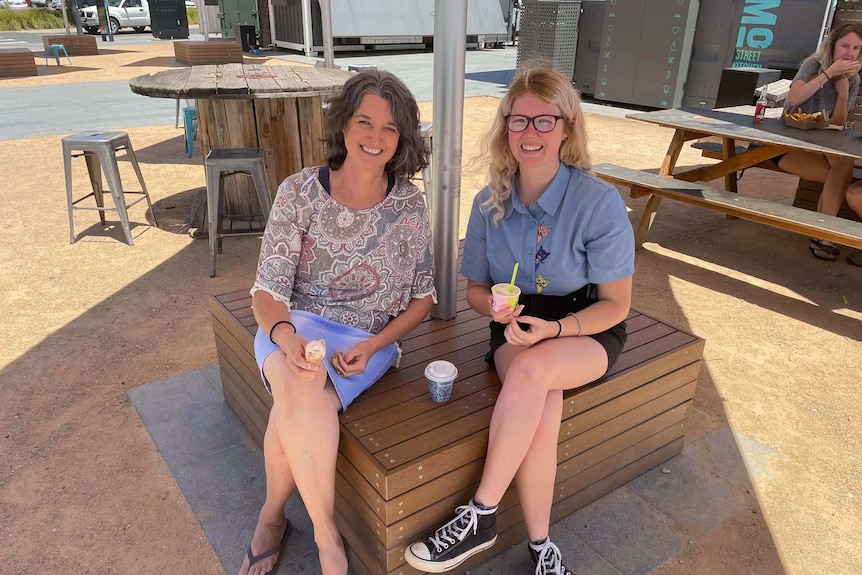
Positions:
{"x": 233, "y": 13}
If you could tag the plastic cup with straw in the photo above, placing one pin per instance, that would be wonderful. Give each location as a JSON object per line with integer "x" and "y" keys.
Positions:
{"x": 506, "y": 295}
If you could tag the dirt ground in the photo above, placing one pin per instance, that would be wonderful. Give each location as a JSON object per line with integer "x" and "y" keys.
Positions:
{"x": 83, "y": 489}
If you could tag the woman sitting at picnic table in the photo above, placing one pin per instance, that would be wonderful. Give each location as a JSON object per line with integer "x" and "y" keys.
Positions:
{"x": 827, "y": 81}
{"x": 571, "y": 237}
{"x": 347, "y": 258}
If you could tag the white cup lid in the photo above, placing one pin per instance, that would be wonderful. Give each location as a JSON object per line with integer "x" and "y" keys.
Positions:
{"x": 441, "y": 370}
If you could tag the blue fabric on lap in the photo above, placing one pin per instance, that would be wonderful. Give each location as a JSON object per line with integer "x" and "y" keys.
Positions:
{"x": 338, "y": 337}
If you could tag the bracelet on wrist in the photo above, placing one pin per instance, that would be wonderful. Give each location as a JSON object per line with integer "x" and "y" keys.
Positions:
{"x": 827, "y": 76}
{"x": 579, "y": 325}
{"x": 559, "y": 328}
{"x": 275, "y": 325}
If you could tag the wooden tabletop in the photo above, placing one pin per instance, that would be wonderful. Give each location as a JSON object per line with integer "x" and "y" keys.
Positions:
{"x": 846, "y": 143}
{"x": 241, "y": 81}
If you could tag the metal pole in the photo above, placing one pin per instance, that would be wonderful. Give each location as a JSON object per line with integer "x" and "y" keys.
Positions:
{"x": 326, "y": 21}
{"x": 65, "y": 17}
{"x": 307, "y": 29}
{"x": 450, "y": 51}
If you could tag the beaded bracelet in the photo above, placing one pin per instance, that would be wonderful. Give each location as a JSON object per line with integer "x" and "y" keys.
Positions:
{"x": 275, "y": 325}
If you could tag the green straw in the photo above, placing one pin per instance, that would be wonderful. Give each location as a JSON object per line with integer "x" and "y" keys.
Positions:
{"x": 514, "y": 273}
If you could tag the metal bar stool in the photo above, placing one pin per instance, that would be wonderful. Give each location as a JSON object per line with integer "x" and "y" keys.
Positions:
{"x": 223, "y": 162}
{"x": 54, "y": 50}
{"x": 100, "y": 151}
{"x": 190, "y": 115}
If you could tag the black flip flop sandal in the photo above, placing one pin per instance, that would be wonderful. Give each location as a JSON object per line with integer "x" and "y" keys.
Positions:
{"x": 252, "y": 559}
{"x": 824, "y": 246}
{"x": 820, "y": 253}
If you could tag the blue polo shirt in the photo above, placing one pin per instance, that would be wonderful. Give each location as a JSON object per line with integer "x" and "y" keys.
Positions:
{"x": 578, "y": 232}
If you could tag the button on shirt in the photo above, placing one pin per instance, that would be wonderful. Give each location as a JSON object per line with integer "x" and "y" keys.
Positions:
{"x": 578, "y": 232}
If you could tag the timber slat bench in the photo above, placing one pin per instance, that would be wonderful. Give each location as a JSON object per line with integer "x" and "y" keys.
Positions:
{"x": 798, "y": 220}
{"x": 75, "y": 45}
{"x": 406, "y": 462}
{"x": 807, "y": 192}
{"x": 197, "y": 53}
{"x": 17, "y": 62}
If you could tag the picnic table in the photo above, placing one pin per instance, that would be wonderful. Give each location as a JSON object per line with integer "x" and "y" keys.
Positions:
{"x": 275, "y": 108}
{"x": 771, "y": 138}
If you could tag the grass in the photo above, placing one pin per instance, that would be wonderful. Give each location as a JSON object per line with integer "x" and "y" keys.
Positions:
{"x": 45, "y": 19}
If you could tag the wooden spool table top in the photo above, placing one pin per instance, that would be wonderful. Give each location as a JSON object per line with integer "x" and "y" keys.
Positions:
{"x": 240, "y": 81}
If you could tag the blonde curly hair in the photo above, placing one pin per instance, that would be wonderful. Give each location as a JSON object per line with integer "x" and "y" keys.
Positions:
{"x": 551, "y": 87}
{"x": 825, "y": 52}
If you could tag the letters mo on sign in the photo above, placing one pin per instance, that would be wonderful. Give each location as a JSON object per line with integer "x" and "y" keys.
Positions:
{"x": 756, "y": 32}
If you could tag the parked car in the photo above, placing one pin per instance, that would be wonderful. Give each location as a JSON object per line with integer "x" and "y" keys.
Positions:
{"x": 121, "y": 14}
{"x": 17, "y": 4}
{"x": 56, "y": 4}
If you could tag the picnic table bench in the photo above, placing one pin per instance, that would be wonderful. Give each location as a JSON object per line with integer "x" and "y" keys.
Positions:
{"x": 807, "y": 191}
{"x": 798, "y": 220}
{"x": 405, "y": 462}
{"x": 772, "y": 138}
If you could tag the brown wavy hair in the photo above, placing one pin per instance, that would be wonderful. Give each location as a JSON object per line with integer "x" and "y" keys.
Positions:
{"x": 411, "y": 155}
{"x": 551, "y": 87}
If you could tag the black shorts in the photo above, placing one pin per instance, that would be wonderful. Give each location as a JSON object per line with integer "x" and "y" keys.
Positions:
{"x": 557, "y": 307}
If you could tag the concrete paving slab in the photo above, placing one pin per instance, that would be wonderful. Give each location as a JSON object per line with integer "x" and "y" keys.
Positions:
{"x": 733, "y": 456}
{"x": 627, "y": 531}
{"x": 230, "y": 533}
{"x": 691, "y": 495}
{"x": 223, "y": 480}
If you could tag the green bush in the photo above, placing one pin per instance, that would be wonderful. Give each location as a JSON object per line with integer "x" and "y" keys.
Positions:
{"x": 33, "y": 19}
{"x": 45, "y": 19}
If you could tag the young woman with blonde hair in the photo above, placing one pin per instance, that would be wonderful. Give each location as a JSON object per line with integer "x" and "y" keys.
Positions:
{"x": 827, "y": 81}
{"x": 570, "y": 233}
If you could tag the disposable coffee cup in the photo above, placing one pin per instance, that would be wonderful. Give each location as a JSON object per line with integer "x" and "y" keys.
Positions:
{"x": 441, "y": 376}
{"x": 505, "y": 295}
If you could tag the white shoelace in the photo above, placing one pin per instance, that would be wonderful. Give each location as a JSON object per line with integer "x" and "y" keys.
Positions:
{"x": 456, "y": 529}
{"x": 550, "y": 560}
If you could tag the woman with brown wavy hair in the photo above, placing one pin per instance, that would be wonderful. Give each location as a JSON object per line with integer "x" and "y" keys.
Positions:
{"x": 347, "y": 258}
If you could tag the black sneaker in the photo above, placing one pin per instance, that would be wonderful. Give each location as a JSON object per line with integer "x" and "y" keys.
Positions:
{"x": 547, "y": 559}
{"x": 473, "y": 530}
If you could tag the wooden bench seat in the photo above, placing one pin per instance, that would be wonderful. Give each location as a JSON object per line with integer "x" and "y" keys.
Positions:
{"x": 801, "y": 221}
{"x": 17, "y": 62}
{"x": 197, "y": 53}
{"x": 807, "y": 192}
{"x": 75, "y": 45}
{"x": 406, "y": 462}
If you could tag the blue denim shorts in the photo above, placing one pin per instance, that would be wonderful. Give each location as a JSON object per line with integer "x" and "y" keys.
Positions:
{"x": 338, "y": 337}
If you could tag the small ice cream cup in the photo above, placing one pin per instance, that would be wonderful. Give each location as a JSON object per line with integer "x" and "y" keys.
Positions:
{"x": 505, "y": 295}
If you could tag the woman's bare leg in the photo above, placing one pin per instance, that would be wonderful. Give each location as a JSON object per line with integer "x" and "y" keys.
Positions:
{"x": 520, "y": 417}
{"x": 806, "y": 165}
{"x": 306, "y": 416}
{"x": 854, "y": 198}
{"x": 835, "y": 186}
{"x": 271, "y": 522}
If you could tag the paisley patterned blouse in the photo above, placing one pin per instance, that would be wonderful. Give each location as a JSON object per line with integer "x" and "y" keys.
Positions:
{"x": 358, "y": 267}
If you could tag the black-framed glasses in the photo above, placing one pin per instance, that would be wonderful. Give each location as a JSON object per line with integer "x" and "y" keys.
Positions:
{"x": 543, "y": 124}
